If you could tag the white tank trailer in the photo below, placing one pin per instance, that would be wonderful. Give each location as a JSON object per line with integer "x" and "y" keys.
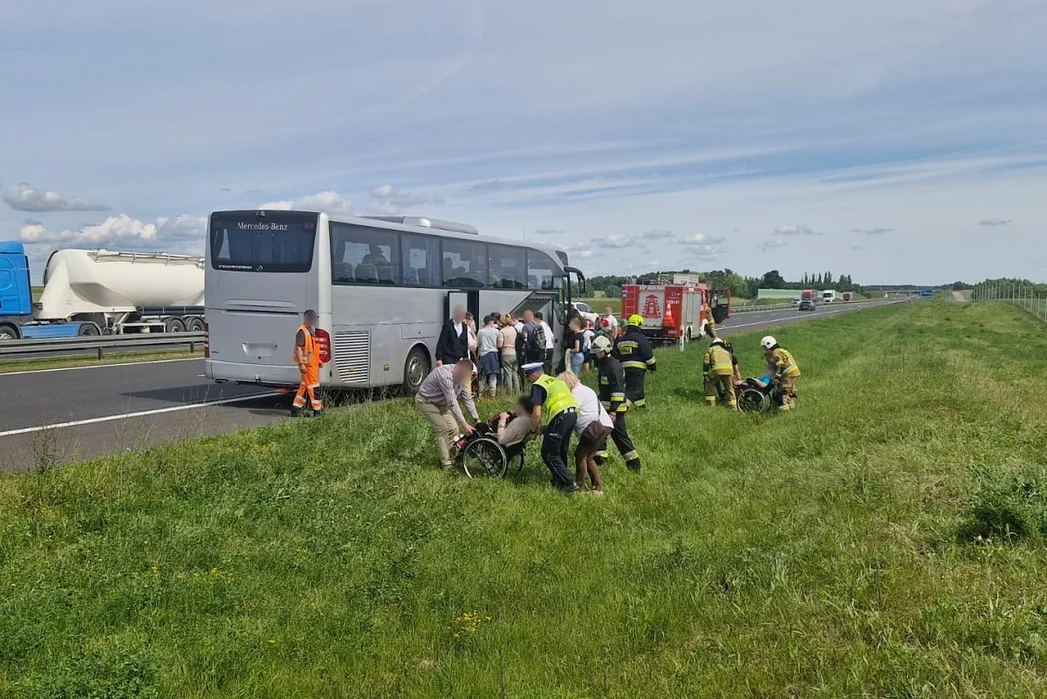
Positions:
{"x": 120, "y": 292}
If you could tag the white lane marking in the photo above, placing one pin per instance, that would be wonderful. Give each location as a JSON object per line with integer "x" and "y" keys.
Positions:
{"x": 95, "y": 366}
{"x": 140, "y": 413}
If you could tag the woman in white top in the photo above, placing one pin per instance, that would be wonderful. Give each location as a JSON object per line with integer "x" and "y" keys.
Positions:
{"x": 593, "y": 427}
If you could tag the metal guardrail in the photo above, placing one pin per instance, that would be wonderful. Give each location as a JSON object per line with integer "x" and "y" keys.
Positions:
{"x": 765, "y": 307}
{"x": 101, "y": 343}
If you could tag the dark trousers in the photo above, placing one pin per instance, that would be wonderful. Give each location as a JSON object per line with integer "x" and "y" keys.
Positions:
{"x": 555, "y": 447}
{"x": 548, "y": 361}
{"x": 624, "y": 443}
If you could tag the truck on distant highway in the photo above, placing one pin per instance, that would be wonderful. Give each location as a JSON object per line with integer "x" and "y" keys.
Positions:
{"x": 807, "y": 295}
{"x": 848, "y": 296}
{"x": 828, "y": 296}
{"x": 94, "y": 292}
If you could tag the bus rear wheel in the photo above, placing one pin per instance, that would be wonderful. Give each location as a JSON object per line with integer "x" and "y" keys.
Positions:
{"x": 416, "y": 368}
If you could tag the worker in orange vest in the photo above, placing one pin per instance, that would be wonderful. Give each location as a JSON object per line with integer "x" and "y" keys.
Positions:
{"x": 307, "y": 357}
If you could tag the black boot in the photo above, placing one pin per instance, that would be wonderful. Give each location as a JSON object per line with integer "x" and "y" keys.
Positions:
{"x": 296, "y": 411}
{"x": 633, "y": 465}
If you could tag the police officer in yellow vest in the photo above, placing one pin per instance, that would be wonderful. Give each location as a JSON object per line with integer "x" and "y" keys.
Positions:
{"x": 781, "y": 365}
{"x": 718, "y": 368}
{"x": 556, "y": 407}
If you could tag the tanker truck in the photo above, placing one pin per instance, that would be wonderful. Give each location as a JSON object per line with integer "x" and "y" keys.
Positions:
{"x": 94, "y": 292}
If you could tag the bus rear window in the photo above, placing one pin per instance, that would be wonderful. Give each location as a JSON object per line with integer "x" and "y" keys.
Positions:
{"x": 276, "y": 242}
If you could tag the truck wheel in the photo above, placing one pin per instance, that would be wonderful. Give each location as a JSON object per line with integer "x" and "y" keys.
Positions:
{"x": 196, "y": 325}
{"x": 415, "y": 370}
{"x": 88, "y": 330}
{"x": 8, "y": 332}
{"x": 174, "y": 325}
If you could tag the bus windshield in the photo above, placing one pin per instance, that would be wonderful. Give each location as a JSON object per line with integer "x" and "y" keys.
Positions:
{"x": 247, "y": 241}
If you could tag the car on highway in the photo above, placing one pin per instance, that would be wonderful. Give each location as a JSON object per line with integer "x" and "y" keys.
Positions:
{"x": 586, "y": 312}
{"x": 806, "y": 305}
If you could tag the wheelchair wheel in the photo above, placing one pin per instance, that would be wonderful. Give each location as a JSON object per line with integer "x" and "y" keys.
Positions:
{"x": 751, "y": 400}
{"x": 484, "y": 458}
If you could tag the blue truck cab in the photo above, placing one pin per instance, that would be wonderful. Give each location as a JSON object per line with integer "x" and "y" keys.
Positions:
{"x": 16, "y": 293}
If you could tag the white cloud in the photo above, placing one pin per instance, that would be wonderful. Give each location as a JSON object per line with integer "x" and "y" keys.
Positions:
{"x": 795, "y": 229}
{"x": 175, "y": 233}
{"x": 327, "y": 201}
{"x": 995, "y": 222}
{"x": 548, "y": 231}
{"x": 388, "y": 200}
{"x": 772, "y": 244}
{"x": 701, "y": 239}
{"x": 25, "y": 197}
{"x": 487, "y": 185}
{"x": 658, "y": 234}
{"x": 616, "y": 242}
{"x": 872, "y": 231}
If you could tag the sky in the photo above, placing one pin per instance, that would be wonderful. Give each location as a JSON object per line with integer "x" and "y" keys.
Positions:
{"x": 896, "y": 141}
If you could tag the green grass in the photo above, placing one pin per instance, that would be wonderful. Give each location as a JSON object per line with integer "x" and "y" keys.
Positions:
{"x": 884, "y": 540}
{"x": 9, "y": 365}
{"x": 36, "y": 292}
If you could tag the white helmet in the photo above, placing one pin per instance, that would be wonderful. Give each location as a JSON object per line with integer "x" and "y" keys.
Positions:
{"x": 717, "y": 341}
{"x": 768, "y": 342}
{"x": 602, "y": 344}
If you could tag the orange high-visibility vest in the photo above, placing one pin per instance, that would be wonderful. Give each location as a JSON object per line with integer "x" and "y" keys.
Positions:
{"x": 306, "y": 355}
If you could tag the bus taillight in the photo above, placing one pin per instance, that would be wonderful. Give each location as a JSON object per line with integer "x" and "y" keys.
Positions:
{"x": 207, "y": 342}
{"x": 324, "y": 340}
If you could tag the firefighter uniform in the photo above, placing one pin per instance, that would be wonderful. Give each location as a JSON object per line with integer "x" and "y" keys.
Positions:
{"x": 719, "y": 370}
{"x": 786, "y": 372}
{"x": 307, "y": 357}
{"x": 634, "y": 350}
{"x": 612, "y": 395}
{"x": 710, "y": 321}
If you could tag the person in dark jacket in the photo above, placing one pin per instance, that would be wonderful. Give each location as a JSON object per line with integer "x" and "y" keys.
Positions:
{"x": 453, "y": 345}
{"x": 611, "y": 380}
{"x": 634, "y": 350}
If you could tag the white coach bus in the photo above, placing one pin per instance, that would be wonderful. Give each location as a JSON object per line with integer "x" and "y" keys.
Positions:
{"x": 382, "y": 286}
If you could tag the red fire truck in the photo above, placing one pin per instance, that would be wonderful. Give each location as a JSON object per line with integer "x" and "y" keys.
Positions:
{"x": 674, "y": 310}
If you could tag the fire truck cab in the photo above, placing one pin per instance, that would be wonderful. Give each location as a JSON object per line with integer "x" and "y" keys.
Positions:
{"x": 675, "y": 308}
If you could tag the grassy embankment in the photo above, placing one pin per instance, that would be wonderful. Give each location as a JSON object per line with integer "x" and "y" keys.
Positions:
{"x": 886, "y": 539}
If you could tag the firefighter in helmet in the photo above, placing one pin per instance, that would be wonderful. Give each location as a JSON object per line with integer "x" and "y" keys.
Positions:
{"x": 612, "y": 395}
{"x": 634, "y": 350}
{"x": 782, "y": 366}
{"x": 720, "y": 369}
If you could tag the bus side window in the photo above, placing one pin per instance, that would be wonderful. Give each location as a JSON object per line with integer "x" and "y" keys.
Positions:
{"x": 541, "y": 270}
{"x": 369, "y": 256}
{"x": 464, "y": 263}
{"x": 508, "y": 266}
{"x": 420, "y": 255}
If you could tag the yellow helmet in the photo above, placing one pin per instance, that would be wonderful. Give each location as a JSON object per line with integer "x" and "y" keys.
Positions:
{"x": 636, "y": 319}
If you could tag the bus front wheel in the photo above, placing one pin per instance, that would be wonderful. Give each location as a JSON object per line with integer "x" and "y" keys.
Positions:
{"x": 415, "y": 370}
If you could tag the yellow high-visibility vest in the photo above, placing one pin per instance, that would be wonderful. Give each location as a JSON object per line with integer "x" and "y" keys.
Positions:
{"x": 558, "y": 397}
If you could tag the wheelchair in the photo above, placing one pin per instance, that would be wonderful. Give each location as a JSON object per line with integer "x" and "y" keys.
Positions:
{"x": 481, "y": 456}
{"x": 754, "y": 398}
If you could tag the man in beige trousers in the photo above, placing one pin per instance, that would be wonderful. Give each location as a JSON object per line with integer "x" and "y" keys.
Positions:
{"x": 438, "y": 398}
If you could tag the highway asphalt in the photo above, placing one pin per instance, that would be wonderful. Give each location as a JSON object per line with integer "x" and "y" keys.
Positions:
{"x": 56, "y": 416}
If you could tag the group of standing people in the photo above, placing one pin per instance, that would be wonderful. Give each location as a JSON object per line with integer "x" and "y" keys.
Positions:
{"x": 498, "y": 349}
